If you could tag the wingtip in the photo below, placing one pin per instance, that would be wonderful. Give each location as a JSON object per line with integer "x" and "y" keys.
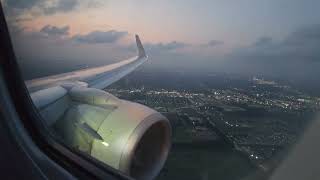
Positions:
{"x": 141, "y": 52}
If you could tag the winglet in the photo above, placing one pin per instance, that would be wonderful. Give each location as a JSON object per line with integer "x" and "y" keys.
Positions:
{"x": 141, "y": 52}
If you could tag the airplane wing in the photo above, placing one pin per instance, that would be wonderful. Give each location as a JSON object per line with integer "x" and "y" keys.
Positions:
{"x": 99, "y": 77}
{"x": 110, "y": 129}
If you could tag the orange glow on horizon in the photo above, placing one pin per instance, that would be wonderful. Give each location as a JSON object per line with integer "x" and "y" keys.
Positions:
{"x": 83, "y": 23}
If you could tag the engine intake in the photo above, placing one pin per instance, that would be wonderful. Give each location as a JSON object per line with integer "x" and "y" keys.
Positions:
{"x": 127, "y": 136}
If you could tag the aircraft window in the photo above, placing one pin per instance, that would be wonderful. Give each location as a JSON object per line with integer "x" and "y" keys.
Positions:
{"x": 224, "y": 91}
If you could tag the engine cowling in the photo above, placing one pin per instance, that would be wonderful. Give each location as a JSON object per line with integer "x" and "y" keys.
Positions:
{"x": 127, "y": 136}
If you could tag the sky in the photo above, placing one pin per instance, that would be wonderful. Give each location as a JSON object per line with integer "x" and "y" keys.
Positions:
{"x": 266, "y": 37}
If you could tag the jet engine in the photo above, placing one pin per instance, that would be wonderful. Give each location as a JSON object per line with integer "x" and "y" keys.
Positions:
{"x": 127, "y": 136}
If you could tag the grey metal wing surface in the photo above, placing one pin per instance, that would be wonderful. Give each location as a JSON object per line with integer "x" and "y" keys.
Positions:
{"x": 98, "y": 77}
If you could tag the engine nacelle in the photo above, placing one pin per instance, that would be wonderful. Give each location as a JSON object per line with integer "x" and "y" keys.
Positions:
{"x": 128, "y": 136}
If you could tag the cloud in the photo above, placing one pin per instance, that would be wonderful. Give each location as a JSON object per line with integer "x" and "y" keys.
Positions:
{"x": 213, "y": 43}
{"x": 301, "y": 45}
{"x": 38, "y": 7}
{"x": 95, "y": 3}
{"x": 295, "y": 57}
{"x": 59, "y": 6}
{"x": 100, "y": 37}
{"x": 55, "y": 31}
{"x": 14, "y": 8}
{"x": 263, "y": 41}
{"x": 171, "y": 46}
{"x": 20, "y": 4}
{"x": 309, "y": 35}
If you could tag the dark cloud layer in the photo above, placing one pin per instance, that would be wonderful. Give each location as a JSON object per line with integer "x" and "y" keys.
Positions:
{"x": 55, "y": 31}
{"x": 305, "y": 35}
{"x": 100, "y": 37}
{"x": 301, "y": 45}
{"x": 263, "y": 41}
{"x": 214, "y": 43}
{"x": 21, "y": 4}
{"x": 17, "y": 7}
{"x": 296, "y": 57}
{"x": 174, "y": 45}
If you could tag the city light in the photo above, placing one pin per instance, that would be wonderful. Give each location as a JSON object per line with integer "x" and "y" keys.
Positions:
{"x": 105, "y": 144}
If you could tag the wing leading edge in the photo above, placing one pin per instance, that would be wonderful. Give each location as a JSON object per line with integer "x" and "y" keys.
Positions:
{"x": 99, "y": 77}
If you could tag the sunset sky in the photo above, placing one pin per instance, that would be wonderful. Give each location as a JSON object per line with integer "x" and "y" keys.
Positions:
{"x": 254, "y": 34}
{"x": 236, "y": 22}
